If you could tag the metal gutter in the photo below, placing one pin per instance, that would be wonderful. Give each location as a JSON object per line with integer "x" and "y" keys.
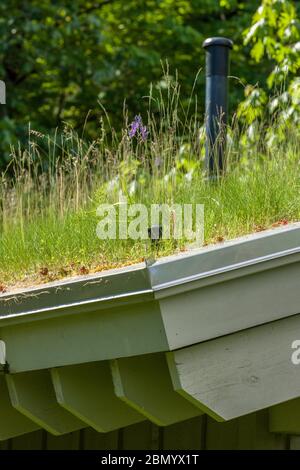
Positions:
{"x": 232, "y": 271}
{"x": 107, "y": 289}
{"x": 235, "y": 254}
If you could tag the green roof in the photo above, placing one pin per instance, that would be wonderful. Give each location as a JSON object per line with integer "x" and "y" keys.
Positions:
{"x": 207, "y": 331}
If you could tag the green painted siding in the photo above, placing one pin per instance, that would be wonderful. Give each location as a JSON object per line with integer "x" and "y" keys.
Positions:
{"x": 250, "y": 432}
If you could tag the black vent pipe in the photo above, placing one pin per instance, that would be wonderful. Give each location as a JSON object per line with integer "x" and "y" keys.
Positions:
{"x": 216, "y": 102}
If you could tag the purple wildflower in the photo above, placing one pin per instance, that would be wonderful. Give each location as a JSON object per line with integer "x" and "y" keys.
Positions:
{"x": 137, "y": 126}
{"x": 144, "y": 132}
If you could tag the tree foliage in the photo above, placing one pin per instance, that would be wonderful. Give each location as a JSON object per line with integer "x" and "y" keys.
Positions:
{"x": 274, "y": 35}
{"x": 60, "y": 57}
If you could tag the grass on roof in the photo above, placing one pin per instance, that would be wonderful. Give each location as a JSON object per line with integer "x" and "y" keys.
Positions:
{"x": 50, "y": 190}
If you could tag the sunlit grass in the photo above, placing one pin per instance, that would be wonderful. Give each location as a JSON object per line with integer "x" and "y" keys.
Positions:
{"x": 50, "y": 191}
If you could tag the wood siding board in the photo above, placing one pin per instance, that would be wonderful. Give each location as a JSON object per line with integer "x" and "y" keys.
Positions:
{"x": 29, "y": 441}
{"x": 285, "y": 417}
{"x": 68, "y": 441}
{"x": 186, "y": 435}
{"x": 138, "y": 436}
{"x": 93, "y": 440}
{"x": 294, "y": 443}
{"x": 221, "y": 436}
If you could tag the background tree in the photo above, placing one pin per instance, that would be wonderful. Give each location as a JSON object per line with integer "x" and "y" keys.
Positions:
{"x": 274, "y": 36}
{"x": 60, "y": 57}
